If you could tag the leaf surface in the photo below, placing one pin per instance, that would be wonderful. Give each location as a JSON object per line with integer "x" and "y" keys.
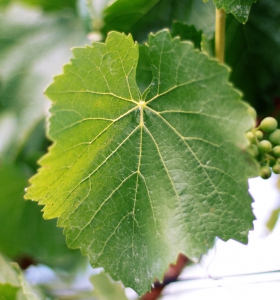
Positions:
{"x": 239, "y": 8}
{"x": 135, "y": 179}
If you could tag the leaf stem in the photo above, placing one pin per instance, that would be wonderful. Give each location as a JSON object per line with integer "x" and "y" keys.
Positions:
{"x": 220, "y": 35}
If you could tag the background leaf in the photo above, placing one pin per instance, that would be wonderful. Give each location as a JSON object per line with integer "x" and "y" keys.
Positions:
{"x": 106, "y": 289}
{"x": 188, "y": 33}
{"x": 13, "y": 285}
{"x": 136, "y": 181}
{"x": 24, "y": 234}
{"x": 32, "y": 47}
{"x": 143, "y": 16}
{"x": 240, "y": 9}
{"x": 50, "y": 5}
{"x": 253, "y": 53}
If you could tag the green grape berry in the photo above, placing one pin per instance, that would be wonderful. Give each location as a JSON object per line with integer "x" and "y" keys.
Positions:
{"x": 265, "y": 172}
{"x": 259, "y": 135}
{"x": 264, "y": 146}
{"x": 274, "y": 137}
{"x": 276, "y": 169}
{"x": 253, "y": 150}
{"x": 276, "y": 151}
{"x": 252, "y": 112}
{"x": 268, "y": 124}
{"x": 250, "y": 136}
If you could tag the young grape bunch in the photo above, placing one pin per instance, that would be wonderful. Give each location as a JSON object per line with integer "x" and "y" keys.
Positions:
{"x": 264, "y": 146}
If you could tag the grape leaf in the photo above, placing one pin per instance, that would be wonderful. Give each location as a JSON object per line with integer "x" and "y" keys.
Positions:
{"x": 143, "y": 16}
{"x": 23, "y": 231}
{"x": 135, "y": 179}
{"x": 13, "y": 285}
{"x": 239, "y": 8}
{"x": 188, "y": 33}
{"x": 106, "y": 289}
{"x": 50, "y": 5}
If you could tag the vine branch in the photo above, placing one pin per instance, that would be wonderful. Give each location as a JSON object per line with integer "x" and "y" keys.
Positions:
{"x": 220, "y": 35}
{"x": 171, "y": 275}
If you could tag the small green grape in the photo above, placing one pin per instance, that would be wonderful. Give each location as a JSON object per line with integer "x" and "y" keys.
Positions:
{"x": 265, "y": 172}
{"x": 276, "y": 151}
{"x": 264, "y": 146}
{"x": 274, "y": 137}
{"x": 276, "y": 169}
{"x": 268, "y": 124}
{"x": 259, "y": 135}
{"x": 250, "y": 136}
{"x": 252, "y": 112}
{"x": 253, "y": 150}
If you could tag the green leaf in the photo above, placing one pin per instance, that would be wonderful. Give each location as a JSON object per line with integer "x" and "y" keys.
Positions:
{"x": 106, "y": 289}
{"x": 253, "y": 53}
{"x": 144, "y": 73}
{"x": 32, "y": 46}
{"x": 13, "y": 285}
{"x": 50, "y": 5}
{"x": 207, "y": 46}
{"x": 239, "y": 8}
{"x": 135, "y": 179}
{"x": 140, "y": 17}
{"x": 4, "y": 2}
{"x": 188, "y": 33}
{"x": 23, "y": 231}
{"x": 9, "y": 281}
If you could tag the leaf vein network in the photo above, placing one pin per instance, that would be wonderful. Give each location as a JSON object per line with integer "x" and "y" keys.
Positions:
{"x": 192, "y": 152}
{"x": 167, "y": 172}
{"x": 102, "y": 204}
{"x": 95, "y": 170}
{"x": 126, "y": 75}
{"x": 113, "y": 233}
{"x": 181, "y": 85}
{"x": 151, "y": 204}
{"x": 104, "y": 130}
{"x": 98, "y": 67}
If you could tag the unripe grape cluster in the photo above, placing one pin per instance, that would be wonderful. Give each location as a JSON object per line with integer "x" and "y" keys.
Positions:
{"x": 264, "y": 145}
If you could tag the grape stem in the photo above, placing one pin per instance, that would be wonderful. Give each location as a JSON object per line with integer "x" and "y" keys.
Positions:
{"x": 220, "y": 35}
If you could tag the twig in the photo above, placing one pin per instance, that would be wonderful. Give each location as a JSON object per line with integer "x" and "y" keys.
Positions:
{"x": 220, "y": 35}
{"x": 171, "y": 275}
